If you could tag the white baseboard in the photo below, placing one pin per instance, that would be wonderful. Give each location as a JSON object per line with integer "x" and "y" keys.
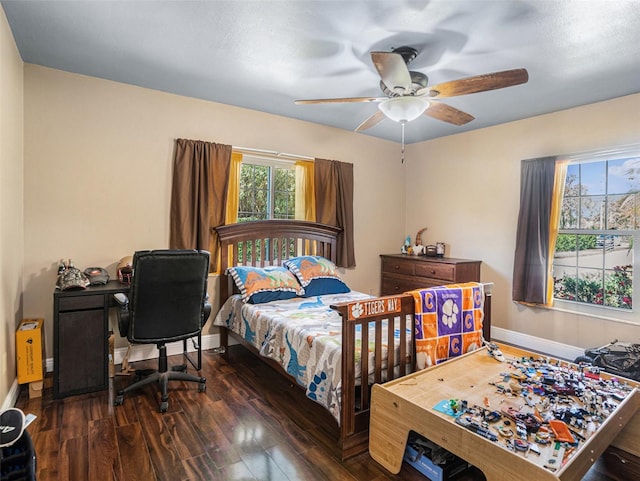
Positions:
{"x": 141, "y": 352}
{"x": 538, "y": 344}
{"x": 12, "y": 396}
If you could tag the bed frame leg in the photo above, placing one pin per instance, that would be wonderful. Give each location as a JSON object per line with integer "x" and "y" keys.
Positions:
{"x": 223, "y": 350}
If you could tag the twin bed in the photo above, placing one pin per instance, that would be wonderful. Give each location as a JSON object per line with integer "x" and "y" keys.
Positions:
{"x": 314, "y": 334}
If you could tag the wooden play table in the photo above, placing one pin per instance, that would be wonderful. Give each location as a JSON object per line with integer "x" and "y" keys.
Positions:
{"x": 407, "y": 404}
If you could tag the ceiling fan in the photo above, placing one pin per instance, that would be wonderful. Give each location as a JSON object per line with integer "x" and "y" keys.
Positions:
{"x": 408, "y": 96}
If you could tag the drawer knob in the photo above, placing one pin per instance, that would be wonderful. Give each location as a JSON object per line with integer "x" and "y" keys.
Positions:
{"x": 432, "y": 271}
{"x": 396, "y": 267}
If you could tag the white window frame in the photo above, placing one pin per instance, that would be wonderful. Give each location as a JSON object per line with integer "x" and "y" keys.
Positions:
{"x": 272, "y": 163}
{"x": 631, "y": 316}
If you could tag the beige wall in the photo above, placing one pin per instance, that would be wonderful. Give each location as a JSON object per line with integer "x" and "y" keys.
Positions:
{"x": 11, "y": 203}
{"x": 98, "y": 172}
{"x": 466, "y": 189}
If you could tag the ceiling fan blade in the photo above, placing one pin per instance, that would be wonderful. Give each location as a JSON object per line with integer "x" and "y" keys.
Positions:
{"x": 346, "y": 99}
{"x": 447, "y": 113}
{"x": 393, "y": 71}
{"x": 371, "y": 121}
{"x": 480, "y": 83}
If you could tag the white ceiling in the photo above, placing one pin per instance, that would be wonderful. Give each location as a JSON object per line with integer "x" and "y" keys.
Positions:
{"x": 263, "y": 55}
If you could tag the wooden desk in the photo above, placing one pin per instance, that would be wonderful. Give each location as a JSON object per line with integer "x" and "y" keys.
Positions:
{"x": 406, "y": 404}
{"x": 81, "y": 338}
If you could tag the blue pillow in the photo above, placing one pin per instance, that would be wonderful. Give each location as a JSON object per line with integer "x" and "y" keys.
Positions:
{"x": 321, "y": 286}
{"x": 265, "y": 284}
{"x": 317, "y": 275}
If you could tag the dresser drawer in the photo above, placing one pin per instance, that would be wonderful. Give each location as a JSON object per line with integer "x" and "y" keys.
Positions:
{"x": 75, "y": 303}
{"x": 401, "y": 273}
{"x": 398, "y": 266}
{"x": 397, "y": 285}
{"x": 446, "y": 272}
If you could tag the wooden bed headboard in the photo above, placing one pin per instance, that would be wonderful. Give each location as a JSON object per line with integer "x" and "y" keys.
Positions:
{"x": 269, "y": 242}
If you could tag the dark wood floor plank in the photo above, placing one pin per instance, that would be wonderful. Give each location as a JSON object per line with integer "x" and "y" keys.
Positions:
{"x": 104, "y": 461}
{"x": 237, "y": 472}
{"x": 45, "y": 444}
{"x": 201, "y": 468}
{"x": 164, "y": 456}
{"x": 185, "y": 438}
{"x": 203, "y": 418}
{"x": 261, "y": 465}
{"x": 295, "y": 467}
{"x": 249, "y": 424}
{"x": 134, "y": 454}
{"x": 328, "y": 466}
{"x": 73, "y": 459}
{"x": 75, "y": 417}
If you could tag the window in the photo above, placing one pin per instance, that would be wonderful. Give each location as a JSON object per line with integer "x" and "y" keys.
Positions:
{"x": 598, "y": 233}
{"x": 267, "y": 189}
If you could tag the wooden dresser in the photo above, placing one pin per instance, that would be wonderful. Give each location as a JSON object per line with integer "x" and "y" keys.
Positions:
{"x": 402, "y": 273}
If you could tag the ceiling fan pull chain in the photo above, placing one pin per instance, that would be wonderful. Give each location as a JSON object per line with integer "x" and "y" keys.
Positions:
{"x": 402, "y": 123}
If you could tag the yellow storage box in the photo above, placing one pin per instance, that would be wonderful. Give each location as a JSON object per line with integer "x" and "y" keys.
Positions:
{"x": 29, "y": 350}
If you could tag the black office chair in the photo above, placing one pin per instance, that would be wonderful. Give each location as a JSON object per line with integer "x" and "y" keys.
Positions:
{"x": 167, "y": 302}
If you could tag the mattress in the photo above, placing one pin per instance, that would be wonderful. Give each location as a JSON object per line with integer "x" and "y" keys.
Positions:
{"x": 304, "y": 336}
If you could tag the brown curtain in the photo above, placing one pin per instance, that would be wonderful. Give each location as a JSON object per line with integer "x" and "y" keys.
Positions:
{"x": 533, "y": 252}
{"x": 334, "y": 204}
{"x": 198, "y": 195}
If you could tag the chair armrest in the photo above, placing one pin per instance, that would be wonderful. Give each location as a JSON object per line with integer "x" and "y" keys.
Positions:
{"x": 123, "y": 313}
{"x": 206, "y": 312}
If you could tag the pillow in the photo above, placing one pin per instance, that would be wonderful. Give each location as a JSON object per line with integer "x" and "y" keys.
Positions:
{"x": 265, "y": 284}
{"x": 317, "y": 275}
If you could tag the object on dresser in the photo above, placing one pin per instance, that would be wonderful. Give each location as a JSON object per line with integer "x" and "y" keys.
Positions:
{"x": 125, "y": 270}
{"x": 430, "y": 251}
{"x": 98, "y": 276}
{"x": 72, "y": 278}
{"x": 419, "y": 236}
{"x": 406, "y": 247}
{"x": 440, "y": 249}
{"x": 418, "y": 248}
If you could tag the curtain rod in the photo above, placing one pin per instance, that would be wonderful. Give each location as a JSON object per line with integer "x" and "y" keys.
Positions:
{"x": 271, "y": 153}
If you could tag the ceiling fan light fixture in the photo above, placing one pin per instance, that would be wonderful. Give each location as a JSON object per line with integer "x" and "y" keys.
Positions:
{"x": 403, "y": 109}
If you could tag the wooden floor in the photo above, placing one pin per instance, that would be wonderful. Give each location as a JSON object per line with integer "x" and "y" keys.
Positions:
{"x": 250, "y": 424}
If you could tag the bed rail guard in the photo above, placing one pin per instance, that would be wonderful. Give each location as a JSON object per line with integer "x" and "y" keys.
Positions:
{"x": 379, "y": 323}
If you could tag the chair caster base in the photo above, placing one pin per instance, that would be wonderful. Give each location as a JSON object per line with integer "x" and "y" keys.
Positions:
{"x": 118, "y": 400}
{"x": 202, "y": 387}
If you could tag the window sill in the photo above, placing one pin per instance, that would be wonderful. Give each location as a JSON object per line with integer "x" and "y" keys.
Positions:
{"x": 621, "y": 316}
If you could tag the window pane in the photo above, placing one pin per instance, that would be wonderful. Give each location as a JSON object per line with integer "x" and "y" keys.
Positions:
{"x": 621, "y": 211}
{"x": 592, "y": 212}
{"x": 564, "y": 283}
{"x": 590, "y": 257}
{"x": 266, "y": 191}
{"x": 253, "y": 197}
{"x": 284, "y": 195}
{"x": 590, "y": 286}
{"x": 569, "y": 217}
{"x": 624, "y": 176}
{"x": 565, "y": 254}
{"x": 593, "y": 178}
{"x": 618, "y": 287}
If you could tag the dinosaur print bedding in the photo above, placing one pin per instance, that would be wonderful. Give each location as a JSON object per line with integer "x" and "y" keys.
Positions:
{"x": 304, "y": 335}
